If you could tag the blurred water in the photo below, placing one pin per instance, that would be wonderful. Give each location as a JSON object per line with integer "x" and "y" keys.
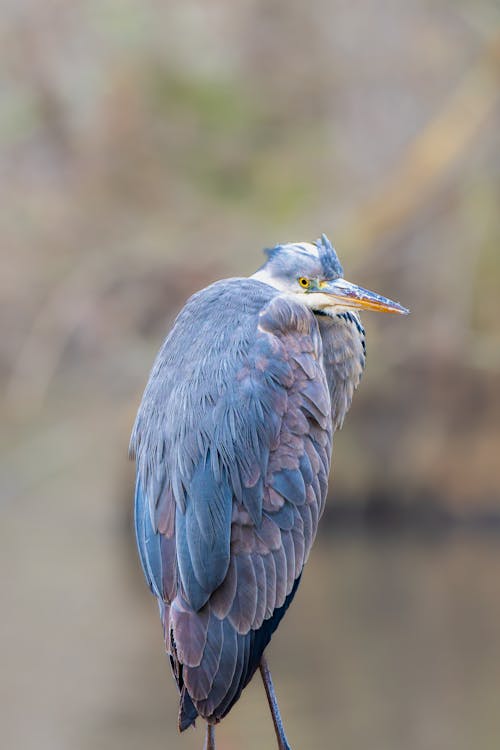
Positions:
{"x": 391, "y": 643}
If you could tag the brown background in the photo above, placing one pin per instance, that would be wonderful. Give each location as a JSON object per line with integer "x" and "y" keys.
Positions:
{"x": 149, "y": 148}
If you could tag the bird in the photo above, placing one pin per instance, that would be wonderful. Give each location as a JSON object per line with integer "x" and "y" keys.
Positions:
{"x": 232, "y": 443}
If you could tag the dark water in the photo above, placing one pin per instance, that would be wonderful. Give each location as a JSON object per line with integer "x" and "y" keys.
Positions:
{"x": 391, "y": 644}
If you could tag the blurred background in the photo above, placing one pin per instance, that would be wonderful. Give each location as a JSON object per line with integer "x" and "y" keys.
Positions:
{"x": 148, "y": 149}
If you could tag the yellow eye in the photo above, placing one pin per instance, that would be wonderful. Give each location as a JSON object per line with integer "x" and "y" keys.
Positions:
{"x": 304, "y": 283}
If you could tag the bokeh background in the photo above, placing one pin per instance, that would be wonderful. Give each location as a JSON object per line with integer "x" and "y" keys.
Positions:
{"x": 150, "y": 148}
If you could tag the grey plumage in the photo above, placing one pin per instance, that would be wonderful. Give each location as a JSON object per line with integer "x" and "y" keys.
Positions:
{"x": 232, "y": 444}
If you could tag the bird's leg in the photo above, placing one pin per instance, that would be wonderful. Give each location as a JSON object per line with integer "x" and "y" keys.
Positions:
{"x": 209, "y": 738}
{"x": 273, "y": 705}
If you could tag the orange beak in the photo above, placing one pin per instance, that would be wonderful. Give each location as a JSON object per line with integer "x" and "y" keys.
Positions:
{"x": 357, "y": 298}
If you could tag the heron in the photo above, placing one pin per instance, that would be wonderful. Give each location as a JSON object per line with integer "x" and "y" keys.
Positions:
{"x": 233, "y": 443}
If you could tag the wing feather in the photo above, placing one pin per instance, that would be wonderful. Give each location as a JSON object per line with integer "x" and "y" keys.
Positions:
{"x": 261, "y": 579}
{"x": 189, "y": 630}
{"x": 290, "y": 485}
{"x": 242, "y": 612}
{"x": 222, "y": 599}
{"x": 270, "y": 568}
{"x": 225, "y": 673}
{"x": 200, "y": 678}
{"x": 281, "y": 575}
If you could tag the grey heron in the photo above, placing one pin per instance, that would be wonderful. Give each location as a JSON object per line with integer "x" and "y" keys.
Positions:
{"x": 232, "y": 444}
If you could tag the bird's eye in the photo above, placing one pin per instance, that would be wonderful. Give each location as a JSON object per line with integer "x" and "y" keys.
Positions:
{"x": 304, "y": 283}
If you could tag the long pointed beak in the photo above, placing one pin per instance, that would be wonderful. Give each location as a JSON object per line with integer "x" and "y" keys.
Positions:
{"x": 350, "y": 295}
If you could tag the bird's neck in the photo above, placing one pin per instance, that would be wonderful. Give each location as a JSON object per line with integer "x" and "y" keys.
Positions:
{"x": 265, "y": 277}
{"x": 344, "y": 354}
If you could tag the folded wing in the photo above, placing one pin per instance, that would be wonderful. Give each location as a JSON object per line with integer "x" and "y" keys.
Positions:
{"x": 233, "y": 456}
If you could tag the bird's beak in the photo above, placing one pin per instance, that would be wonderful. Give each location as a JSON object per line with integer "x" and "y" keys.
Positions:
{"x": 349, "y": 295}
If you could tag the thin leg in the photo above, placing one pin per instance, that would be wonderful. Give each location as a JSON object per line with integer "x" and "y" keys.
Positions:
{"x": 209, "y": 738}
{"x": 273, "y": 705}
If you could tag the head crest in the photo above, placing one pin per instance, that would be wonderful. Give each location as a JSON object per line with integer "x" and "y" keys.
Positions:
{"x": 322, "y": 250}
{"x": 328, "y": 257}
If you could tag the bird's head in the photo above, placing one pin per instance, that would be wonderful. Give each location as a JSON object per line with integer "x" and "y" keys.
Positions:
{"x": 312, "y": 273}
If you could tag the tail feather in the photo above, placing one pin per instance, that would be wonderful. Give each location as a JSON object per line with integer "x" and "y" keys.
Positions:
{"x": 187, "y": 711}
{"x": 224, "y": 677}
